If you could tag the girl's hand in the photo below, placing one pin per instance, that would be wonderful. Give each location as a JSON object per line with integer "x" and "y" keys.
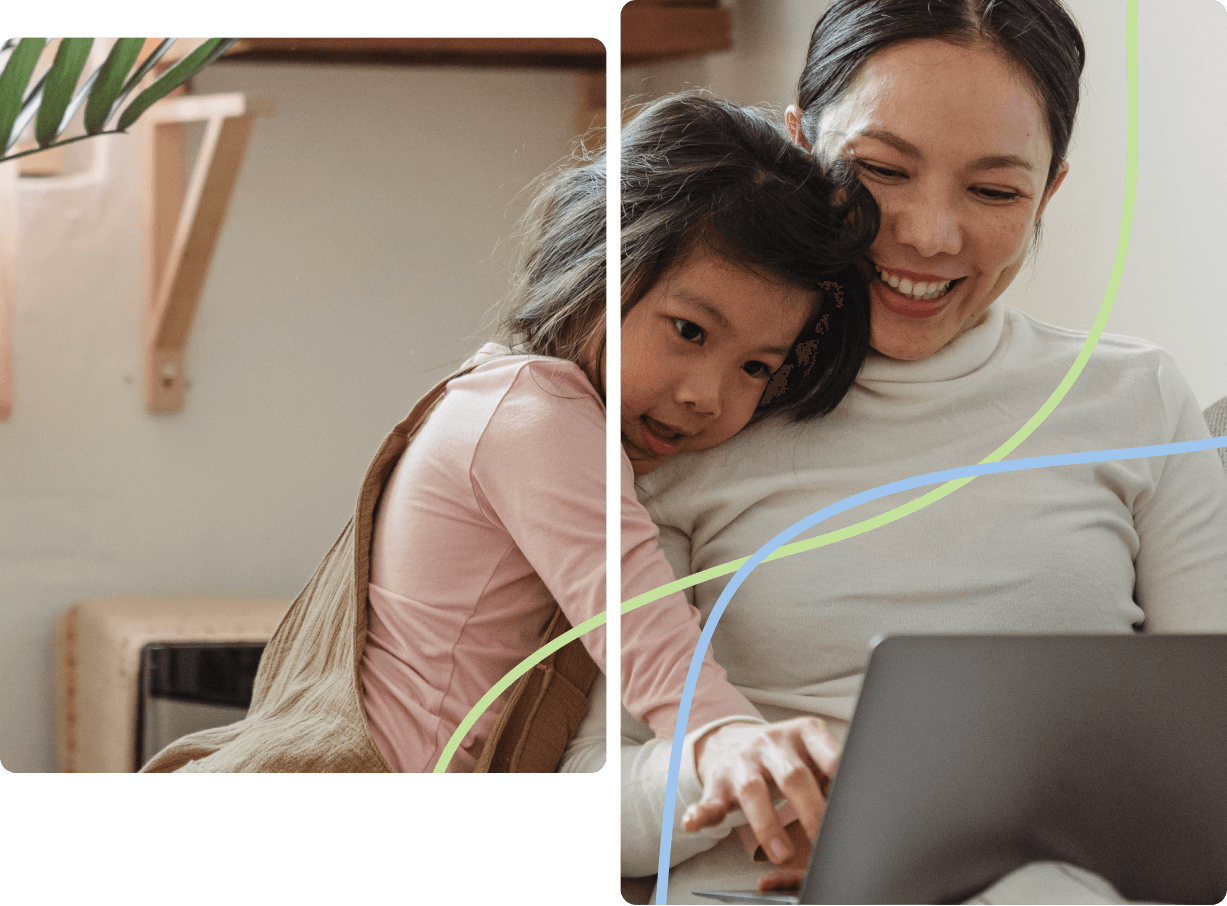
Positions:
{"x": 744, "y": 765}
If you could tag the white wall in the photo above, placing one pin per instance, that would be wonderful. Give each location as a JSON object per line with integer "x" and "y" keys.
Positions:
{"x": 1170, "y": 293}
{"x": 356, "y": 266}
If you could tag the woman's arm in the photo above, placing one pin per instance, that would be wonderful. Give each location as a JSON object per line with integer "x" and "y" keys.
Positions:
{"x": 1181, "y": 565}
{"x": 731, "y": 773}
{"x": 586, "y": 751}
{"x": 644, "y": 775}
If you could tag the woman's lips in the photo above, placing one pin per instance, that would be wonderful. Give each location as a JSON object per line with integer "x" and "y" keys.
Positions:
{"x": 907, "y": 305}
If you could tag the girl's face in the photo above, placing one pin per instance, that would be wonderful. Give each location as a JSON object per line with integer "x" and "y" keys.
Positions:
{"x": 697, "y": 353}
{"x": 952, "y": 143}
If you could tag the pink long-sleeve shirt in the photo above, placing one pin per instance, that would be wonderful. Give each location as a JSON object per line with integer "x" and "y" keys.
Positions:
{"x": 496, "y": 510}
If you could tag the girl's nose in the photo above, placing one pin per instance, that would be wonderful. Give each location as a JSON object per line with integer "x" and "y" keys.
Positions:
{"x": 700, "y": 388}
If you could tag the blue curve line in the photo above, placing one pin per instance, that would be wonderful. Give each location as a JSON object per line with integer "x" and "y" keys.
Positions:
{"x": 906, "y": 484}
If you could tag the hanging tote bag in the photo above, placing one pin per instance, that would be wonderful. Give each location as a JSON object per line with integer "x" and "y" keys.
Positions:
{"x": 306, "y": 711}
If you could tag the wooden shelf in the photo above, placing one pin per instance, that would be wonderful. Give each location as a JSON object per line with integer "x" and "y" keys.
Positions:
{"x": 184, "y": 219}
{"x": 659, "y": 31}
{"x": 184, "y": 216}
{"x": 558, "y": 53}
{"x": 553, "y": 53}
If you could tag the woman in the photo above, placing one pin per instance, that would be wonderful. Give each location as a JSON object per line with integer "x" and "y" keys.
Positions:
{"x": 958, "y": 116}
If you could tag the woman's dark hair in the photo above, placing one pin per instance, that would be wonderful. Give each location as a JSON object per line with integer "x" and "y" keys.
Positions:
{"x": 1039, "y": 36}
{"x": 698, "y": 173}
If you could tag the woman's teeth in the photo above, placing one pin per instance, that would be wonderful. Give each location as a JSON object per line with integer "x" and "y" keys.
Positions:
{"x": 904, "y": 286}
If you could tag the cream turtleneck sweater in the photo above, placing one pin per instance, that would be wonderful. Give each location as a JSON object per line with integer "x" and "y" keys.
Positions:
{"x": 1136, "y": 545}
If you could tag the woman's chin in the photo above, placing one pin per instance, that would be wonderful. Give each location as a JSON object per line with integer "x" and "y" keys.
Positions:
{"x": 905, "y": 348}
{"x": 909, "y": 339}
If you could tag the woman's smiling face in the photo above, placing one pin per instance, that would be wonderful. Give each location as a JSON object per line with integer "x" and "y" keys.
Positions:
{"x": 953, "y": 145}
{"x": 697, "y": 353}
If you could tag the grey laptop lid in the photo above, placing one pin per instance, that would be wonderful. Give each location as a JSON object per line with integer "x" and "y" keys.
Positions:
{"x": 969, "y": 756}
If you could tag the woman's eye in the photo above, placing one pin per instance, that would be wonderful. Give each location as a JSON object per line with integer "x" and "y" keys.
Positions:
{"x": 879, "y": 170}
{"x": 996, "y": 194}
{"x": 688, "y": 330}
{"x": 756, "y": 369}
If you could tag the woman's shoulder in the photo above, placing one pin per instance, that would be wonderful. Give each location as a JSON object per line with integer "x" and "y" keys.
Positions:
{"x": 1111, "y": 349}
{"x": 1066, "y": 336}
{"x": 1130, "y": 370}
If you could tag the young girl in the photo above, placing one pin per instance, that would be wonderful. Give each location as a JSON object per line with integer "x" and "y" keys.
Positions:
{"x": 740, "y": 298}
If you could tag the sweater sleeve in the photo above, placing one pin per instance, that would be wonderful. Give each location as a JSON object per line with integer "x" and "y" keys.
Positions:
{"x": 585, "y": 753}
{"x": 645, "y": 775}
{"x": 1181, "y": 566}
{"x": 537, "y": 474}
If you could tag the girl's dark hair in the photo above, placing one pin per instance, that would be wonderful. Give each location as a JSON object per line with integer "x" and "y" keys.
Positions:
{"x": 557, "y": 302}
{"x": 702, "y": 173}
{"x": 1039, "y": 36}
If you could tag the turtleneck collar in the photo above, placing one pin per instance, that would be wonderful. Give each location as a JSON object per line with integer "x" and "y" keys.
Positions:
{"x": 962, "y": 356}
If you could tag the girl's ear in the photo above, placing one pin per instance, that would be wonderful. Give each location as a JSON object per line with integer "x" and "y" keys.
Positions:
{"x": 792, "y": 117}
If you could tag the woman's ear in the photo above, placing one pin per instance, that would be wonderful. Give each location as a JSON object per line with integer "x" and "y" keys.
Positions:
{"x": 792, "y": 117}
{"x": 1052, "y": 189}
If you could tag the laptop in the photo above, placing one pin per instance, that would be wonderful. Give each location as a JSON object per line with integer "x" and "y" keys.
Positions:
{"x": 970, "y": 756}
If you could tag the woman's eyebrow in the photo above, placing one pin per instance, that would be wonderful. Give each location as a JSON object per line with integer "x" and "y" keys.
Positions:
{"x": 718, "y": 316}
{"x": 988, "y": 162}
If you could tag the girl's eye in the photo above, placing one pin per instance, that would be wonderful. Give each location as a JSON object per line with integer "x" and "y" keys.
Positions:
{"x": 688, "y": 330}
{"x": 692, "y": 333}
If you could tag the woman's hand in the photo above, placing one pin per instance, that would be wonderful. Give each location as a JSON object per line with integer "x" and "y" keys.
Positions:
{"x": 790, "y": 875}
{"x": 782, "y": 879}
{"x": 743, "y": 765}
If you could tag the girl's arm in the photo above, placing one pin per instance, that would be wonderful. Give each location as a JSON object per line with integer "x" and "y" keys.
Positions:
{"x": 539, "y": 472}
{"x": 672, "y": 618}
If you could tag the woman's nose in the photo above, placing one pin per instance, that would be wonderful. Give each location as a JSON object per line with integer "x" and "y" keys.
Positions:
{"x": 929, "y": 223}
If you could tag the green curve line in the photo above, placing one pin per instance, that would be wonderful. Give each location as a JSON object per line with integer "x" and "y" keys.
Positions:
{"x": 505, "y": 683}
{"x": 1114, "y": 280}
{"x": 1118, "y": 269}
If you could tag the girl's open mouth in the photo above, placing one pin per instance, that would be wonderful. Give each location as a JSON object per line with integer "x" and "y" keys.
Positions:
{"x": 663, "y": 440}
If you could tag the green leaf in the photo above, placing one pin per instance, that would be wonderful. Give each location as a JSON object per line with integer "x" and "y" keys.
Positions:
{"x": 109, "y": 86}
{"x": 58, "y": 88}
{"x": 13, "y": 85}
{"x": 146, "y": 65}
{"x": 197, "y": 60}
{"x": 29, "y": 108}
{"x": 77, "y": 100}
